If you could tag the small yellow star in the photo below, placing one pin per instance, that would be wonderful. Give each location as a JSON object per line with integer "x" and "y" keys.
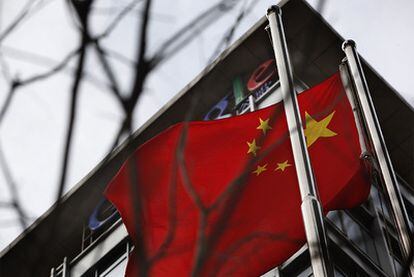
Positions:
{"x": 260, "y": 169}
{"x": 317, "y": 129}
{"x": 264, "y": 125}
{"x": 253, "y": 147}
{"x": 282, "y": 166}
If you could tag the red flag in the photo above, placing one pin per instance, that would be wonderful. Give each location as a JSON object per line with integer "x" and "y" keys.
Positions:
{"x": 201, "y": 215}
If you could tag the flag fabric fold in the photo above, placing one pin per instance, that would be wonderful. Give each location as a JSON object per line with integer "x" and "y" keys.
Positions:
{"x": 227, "y": 202}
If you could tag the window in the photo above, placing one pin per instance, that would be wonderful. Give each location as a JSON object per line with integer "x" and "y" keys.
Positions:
{"x": 379, "y": 202}
{"x": 357, "y": 232}
{"x": 344, "y": 266}
{"x": 112, "y": 264}
{"x": 116, "y": 269}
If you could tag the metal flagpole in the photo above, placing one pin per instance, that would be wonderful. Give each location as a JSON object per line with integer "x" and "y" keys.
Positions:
{"x": 376, "y": 139}
{"x": 311, "y": 207}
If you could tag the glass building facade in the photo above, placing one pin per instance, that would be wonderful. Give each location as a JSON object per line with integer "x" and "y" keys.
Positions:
{"x": 92, "y": 240}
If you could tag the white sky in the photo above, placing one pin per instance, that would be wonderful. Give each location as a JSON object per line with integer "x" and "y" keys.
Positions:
{"x": 33, "y": 131}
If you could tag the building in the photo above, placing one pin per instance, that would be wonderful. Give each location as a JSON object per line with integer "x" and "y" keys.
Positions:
{"x": 85, "y": 237}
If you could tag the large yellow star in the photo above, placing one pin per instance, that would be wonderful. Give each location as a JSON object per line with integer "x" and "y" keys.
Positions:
{"x": 260, "y": 169}
{"x": 282, "y": 166}
{"x": 253, "y": 147}
{"x": 316, "y": 129}
{"x": 264, "y": 125}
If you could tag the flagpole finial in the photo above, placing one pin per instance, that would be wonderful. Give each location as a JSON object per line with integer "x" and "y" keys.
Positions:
{"x": 349, "y": 42}
{"x": 275, "y": 9}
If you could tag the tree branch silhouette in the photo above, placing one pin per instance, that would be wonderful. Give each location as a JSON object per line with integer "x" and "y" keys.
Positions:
{"x": 13, "y": 190}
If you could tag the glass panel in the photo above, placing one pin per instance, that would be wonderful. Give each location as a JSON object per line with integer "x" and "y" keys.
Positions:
{"x": 354, "y": 230}
{"x": 397, "y": 266}
{"x": 410, "y": 212}
{"x": 339, "y": 273}
{"x": 379, "y": 202}
{"x": 117, "y": 269}
{"x": 306, "y": 273}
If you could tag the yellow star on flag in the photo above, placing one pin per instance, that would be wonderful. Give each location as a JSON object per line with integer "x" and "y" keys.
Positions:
{"x": 253, "y": 147}
{"x": 282, "y": 166}
{"x": 317, "y": 129}
{"x": 264, "y": 125}
{"x": 260, "y": 169}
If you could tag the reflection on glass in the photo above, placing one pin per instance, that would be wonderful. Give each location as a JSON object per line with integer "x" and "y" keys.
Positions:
{"x": 379, "y": 203}
{"x": 357, "y": 233}
{"x": 338, "y": 273}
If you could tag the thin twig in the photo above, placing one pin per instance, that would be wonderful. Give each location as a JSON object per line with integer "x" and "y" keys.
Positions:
{"x": 141, "y": 72}
{"x": 83, "y": 14}
{"x": 127, "y": 9}
{"x": 7, "y": 102}
{"x": 190, "y": 31}
{"x": 13, "y": 190}
{"x": 23, "y": 13}
{"x": 108, "y": 71}
{"x": 55, "y": 69}
{"x": 225, "y": 41}
{"x": 55, "y": 66}
{"x": 28, "y": 10}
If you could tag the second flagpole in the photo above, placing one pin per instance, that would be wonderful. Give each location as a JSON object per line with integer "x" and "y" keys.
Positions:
{"x": 311, "y": 207}
{"x": 389, "y": 179}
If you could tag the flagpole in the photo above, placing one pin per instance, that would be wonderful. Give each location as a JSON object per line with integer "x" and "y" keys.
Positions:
{"x": 311, "y": 207}
{"x": 376, "y": 139}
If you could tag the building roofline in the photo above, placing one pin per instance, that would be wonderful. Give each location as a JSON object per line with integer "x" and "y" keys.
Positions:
{"x": 85, "y": 187}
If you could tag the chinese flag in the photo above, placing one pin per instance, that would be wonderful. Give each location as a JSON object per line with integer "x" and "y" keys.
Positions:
{"x": 230, "y": 204}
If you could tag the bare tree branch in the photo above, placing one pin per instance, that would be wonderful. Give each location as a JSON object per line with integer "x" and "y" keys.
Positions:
{"x": 172, "y": 216}
{"x": 225, "y": 41}
{"x": 184, "y": 172}
{"x": 13, "y": 190}
{"x": 108, "y": 71}
{"x": 189, "y": 31}
{"x": 57, "y": 68}
{"x": 5, "y": 69}
{"x": 23, "y": 13}
{"x": 7, "y": 102}
{"x": 27, "y": 11}
{"x": 83, "y": 11}
{"x": 269, "y": 237}
{"x": 127, "y": 9}
{"x": 141, "y": 72}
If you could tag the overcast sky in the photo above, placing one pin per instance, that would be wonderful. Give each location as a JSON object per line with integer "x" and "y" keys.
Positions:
{"x": 32, "y": 133}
